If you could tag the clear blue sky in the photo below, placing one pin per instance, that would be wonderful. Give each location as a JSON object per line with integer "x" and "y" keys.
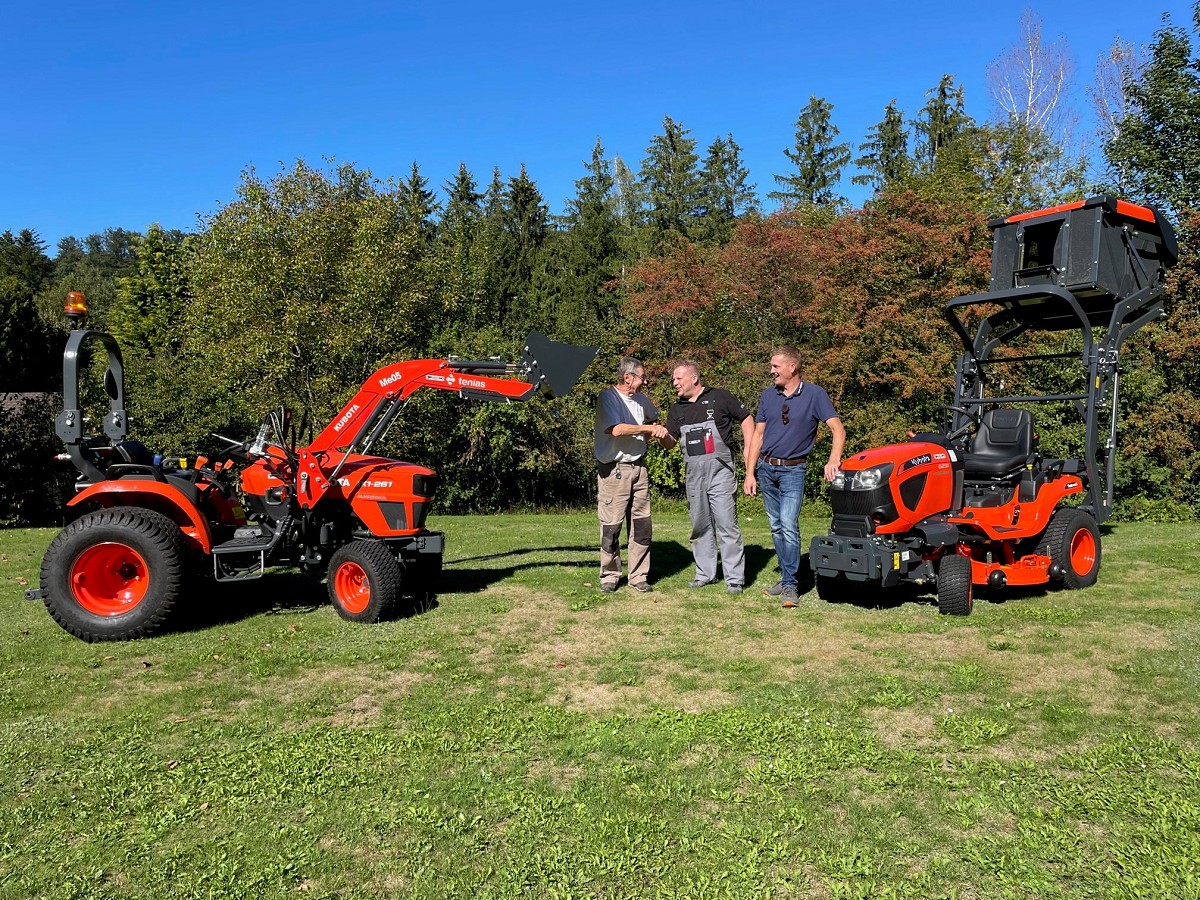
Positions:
{"x": 129, "y": 113}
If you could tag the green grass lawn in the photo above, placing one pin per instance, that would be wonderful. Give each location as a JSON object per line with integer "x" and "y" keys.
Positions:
{"x": 532, "y": 737}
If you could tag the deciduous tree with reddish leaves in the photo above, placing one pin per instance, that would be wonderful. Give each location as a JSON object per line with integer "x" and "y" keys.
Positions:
{"x": 861, "y": 296}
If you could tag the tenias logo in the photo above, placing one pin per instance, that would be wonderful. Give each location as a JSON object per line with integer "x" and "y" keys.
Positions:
{"x": 346, "y": 417}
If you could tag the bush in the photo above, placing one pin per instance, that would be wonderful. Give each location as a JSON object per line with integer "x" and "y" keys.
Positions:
{"x": 33, "y": 487}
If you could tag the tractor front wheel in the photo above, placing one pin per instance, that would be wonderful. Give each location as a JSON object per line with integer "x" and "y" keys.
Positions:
{"x": 364, "y": 581}
{"x": 1072, "y": 541}
{"x": 954, "y": 588}
{"x": 114, "y": 574}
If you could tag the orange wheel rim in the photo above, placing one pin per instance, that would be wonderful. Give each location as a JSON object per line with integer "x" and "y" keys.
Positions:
{"x": 1083, "y": 551}
{"x": 352, "y": 586}
{"x": 109, "y": 579}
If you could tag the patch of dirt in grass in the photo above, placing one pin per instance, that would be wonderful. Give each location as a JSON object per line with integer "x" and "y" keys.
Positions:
{"x": 560, "y": 776}
{"x": 904, "y": 729}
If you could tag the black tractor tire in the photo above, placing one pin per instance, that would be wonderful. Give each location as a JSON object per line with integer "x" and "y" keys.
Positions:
{"x": 955, "y": 592}
{"x": 831, "y": 589}
{"x": 839, "y": 589}
{"x": 115, "y": 574}
{"x": 364, "y": 581}
{"x": 1072, "y": 541}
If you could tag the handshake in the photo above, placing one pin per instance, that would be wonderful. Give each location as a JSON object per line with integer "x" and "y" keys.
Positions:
{"x": 658, "y": 431}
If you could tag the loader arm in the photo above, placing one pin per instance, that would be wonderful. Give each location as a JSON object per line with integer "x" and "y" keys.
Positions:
{"x": 546, "y": 365}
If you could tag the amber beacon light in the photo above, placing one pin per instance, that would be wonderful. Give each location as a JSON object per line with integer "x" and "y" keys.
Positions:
{"x": 75, "y": 307}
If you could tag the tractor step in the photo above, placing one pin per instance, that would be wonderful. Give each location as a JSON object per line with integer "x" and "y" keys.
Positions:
{"x": 241, "y": 558}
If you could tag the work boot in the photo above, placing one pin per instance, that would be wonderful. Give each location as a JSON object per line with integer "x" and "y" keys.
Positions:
{"x": 642, "y": 587}
{"x": 734, "y": 589}
{"x": 697, "y": 583}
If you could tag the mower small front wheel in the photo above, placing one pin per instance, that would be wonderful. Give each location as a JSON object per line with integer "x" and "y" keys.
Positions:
{"x": 114, "y": 574}
{"x": 954, "y": 589}
{"x": 1072, "y": 541}
{"x": 364, "y": 581}
{"x": 831, "y": 589}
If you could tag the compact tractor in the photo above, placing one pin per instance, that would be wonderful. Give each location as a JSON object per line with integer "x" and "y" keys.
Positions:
{"x": 977, "y": 504}
{"x": 147, "y": 527}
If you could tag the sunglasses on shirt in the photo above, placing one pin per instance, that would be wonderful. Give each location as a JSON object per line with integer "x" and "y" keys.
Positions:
{"x": 784, "y": 413}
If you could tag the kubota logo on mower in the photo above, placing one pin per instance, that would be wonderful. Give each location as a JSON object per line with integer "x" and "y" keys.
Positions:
{"x": 923, "y": 459}
{"x": 346, "y": 417}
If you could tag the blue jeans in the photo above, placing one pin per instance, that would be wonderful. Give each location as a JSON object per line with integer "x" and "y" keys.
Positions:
{"x": 782, "y": 489}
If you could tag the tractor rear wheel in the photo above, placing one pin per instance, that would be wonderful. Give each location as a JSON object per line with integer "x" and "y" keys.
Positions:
{"x": 954, "y": 589}
{"x": 115, "y": 574}
{"x": 1072, "y": 541}
{"x": 364, "y": 581}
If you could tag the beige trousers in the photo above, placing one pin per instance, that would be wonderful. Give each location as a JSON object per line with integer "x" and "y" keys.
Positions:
{"x": 623, "y": 491}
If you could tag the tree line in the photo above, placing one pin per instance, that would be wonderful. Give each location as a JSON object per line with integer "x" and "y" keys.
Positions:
{"x": 307, "y": 280}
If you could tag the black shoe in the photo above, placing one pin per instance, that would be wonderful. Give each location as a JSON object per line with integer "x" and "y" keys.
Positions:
{"x": 642, "y": 587}
{"x": 733, "y": 589}
{"x": 608, "y": 587}
{"x": 697, "y": 583}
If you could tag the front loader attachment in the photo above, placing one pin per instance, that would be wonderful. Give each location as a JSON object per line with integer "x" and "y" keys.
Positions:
{"x": 553, "y": 365}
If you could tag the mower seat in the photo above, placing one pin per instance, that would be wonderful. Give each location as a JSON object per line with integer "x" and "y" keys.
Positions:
{"x": 1002, "y": 445}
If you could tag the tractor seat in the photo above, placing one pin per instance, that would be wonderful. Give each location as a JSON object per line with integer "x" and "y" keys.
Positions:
{"x": 1003, "y": 444}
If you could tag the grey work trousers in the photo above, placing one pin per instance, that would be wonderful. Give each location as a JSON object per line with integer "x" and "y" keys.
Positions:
{"x": 712, "y": 506}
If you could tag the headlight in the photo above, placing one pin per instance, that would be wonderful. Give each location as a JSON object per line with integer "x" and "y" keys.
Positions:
{"x": 867, "y": 479}
{"x": 839, "y": 481}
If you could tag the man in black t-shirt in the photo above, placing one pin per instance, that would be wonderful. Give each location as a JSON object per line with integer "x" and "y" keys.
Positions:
{"x": 702, "y": 422}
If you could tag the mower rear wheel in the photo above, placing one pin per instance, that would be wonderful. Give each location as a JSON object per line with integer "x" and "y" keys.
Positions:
{"x": 364, "y": 581}
{"x": 114, "y": 574}
{"x": 1072, "y": 541}
{"x": 954, "y": 588}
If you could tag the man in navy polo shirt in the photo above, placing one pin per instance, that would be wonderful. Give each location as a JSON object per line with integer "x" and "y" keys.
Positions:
{"x": 785, "y": 432}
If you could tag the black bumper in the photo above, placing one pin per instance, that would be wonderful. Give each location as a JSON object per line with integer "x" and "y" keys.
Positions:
{"x": 858, "y": 559}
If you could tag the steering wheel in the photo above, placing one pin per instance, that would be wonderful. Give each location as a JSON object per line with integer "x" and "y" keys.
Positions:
{"x": 971, "y": 425}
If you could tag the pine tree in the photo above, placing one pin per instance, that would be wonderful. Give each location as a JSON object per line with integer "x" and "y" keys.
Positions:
{"x": 885, "y": 152}
{"x": 524, "y": 223}
{"x": 588, "y": 253}
{"x": 818, "y": 160}
{"x": 460, "y": 249}
{"x": 941, "y": 122}
{"x": 670, "y": 179}
{"x": 27, "y": 362}
{"x": 419, "y": 202}
{"x": 726, "y": 192}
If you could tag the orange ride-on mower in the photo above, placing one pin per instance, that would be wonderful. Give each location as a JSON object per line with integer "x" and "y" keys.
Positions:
{"x": 978, "y": 504}
{"x": 147, "y": 527}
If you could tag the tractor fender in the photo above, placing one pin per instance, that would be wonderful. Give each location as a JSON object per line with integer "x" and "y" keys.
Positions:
{"x": 157, "y": 495}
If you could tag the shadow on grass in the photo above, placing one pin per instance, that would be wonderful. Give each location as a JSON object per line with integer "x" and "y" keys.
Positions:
{"x": 211, "y": 604}
{"x": 467, "y": 576}
{"x": 667, "y": 560}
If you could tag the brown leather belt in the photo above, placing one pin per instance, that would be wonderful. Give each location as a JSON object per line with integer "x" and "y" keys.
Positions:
{"x": 776, "y": 461}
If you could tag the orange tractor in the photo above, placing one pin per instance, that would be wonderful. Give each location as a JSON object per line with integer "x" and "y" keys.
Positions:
{"x": 146, "y": 527}
{"x": 978, "y": 504}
